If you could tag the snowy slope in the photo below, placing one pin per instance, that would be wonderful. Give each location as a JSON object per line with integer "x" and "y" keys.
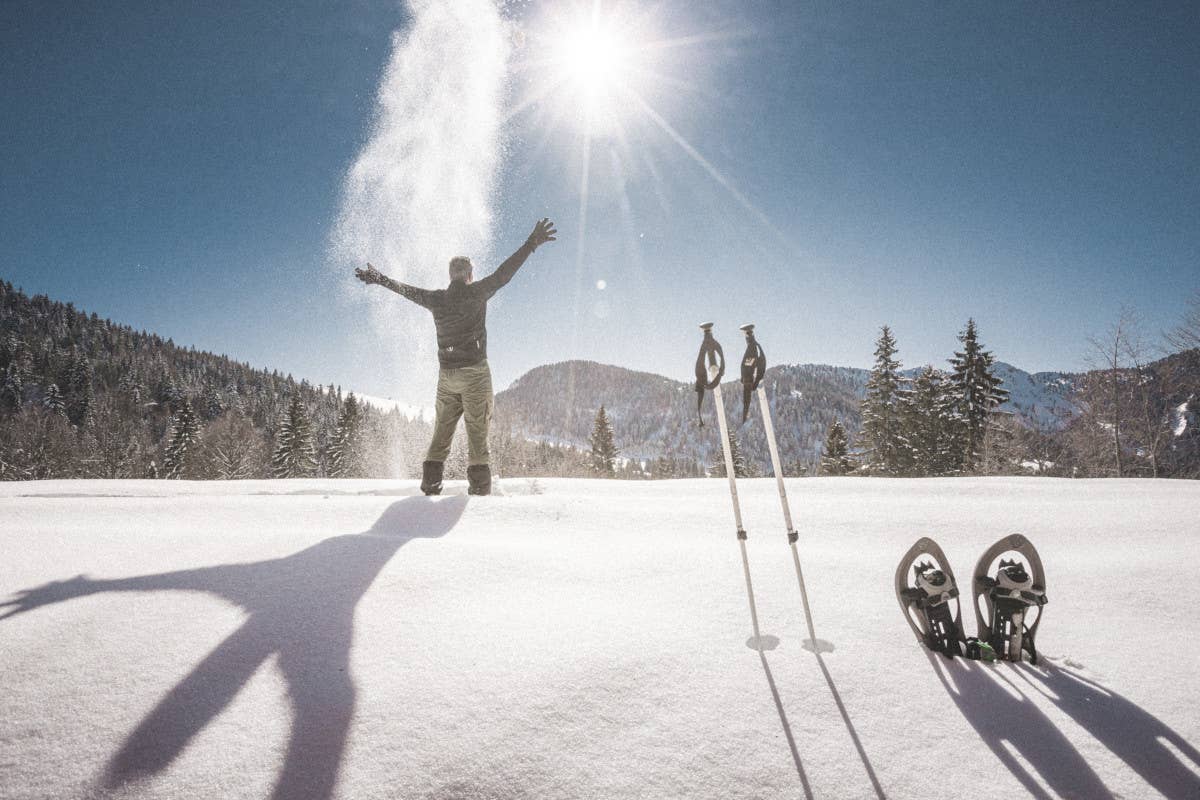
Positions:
{"x": 387, "y": 404}
{"x": 655, "y": 416}
{"x": 580, "y": 639}
{"x": 1042, "y": 399}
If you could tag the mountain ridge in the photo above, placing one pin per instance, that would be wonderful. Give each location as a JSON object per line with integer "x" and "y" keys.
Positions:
{"x": 654, "y": 415}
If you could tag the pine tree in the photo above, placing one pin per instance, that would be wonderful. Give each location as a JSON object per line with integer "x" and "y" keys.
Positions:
{"x": 53, "y": 401}
{"x": 882, "y": 429}
{"x": 35, "y": 445}
{"x": 79, "y": 389}
{"x": 796, "y": 468}
{"x": 11, "y": 389}
{"x": 344, "y": 456}
{"x": 185, "y": 431}
{"x": 928, "y": 424}
{"x": 604, "y": 449}
{"x": 294, "y": 455}
{"x": 232, "y": 449}
{"x": 212, "y": 406}
{"x": 664, "y": 468}
{"x": 835, "y": 456}
{"x": 87, "y": 404}
{"x": 974, "y": 392}
{"x": 740, "y": 467}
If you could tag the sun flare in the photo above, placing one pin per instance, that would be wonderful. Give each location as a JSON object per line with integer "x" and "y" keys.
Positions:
{"x": 592, "y": 57}
{"x": 606, "y": 76}
{"x": 597, "y": 64}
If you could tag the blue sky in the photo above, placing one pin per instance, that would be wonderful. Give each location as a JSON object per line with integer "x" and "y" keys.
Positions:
{"x": 177, "y": 167}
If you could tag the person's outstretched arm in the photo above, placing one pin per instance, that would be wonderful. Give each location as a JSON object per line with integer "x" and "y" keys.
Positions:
{"x": 544, "y": 231}
{"x": 371, "y": 275}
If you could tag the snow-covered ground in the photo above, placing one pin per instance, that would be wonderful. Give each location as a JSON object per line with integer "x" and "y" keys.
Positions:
{"x": 581, "y": 639}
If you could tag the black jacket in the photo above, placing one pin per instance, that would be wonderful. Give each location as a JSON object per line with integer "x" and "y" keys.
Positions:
{"x": 460, "y": 310}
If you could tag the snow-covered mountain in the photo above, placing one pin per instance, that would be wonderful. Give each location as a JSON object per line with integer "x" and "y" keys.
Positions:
{"x": 655, "y": 416}
{"x": 1041, "y": 399}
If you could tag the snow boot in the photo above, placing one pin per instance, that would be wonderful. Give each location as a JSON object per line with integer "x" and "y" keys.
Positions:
{"x": 479, "y": 476}
{"x": 431, "y": 477}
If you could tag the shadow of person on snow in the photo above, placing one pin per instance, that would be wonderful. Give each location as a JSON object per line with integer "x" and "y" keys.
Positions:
{"x": 1003, "y": 715}
{"x": 301, "y": 609}
{"x": 1133, "y": 734}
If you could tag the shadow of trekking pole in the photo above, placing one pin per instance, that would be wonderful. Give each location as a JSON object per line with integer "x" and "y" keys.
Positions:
{"x": 1007, "y": 721}
{"x": 1134, "y": 735}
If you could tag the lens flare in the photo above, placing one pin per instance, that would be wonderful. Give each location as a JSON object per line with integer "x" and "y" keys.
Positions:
{"x": 596, "y": 61}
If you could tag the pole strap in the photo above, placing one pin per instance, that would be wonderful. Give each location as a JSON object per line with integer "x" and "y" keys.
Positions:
{"x": 754, "y": 367}
{"x": 710, "y": 355}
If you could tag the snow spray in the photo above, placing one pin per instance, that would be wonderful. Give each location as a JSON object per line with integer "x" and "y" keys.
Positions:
{"x": 420, "y": 190}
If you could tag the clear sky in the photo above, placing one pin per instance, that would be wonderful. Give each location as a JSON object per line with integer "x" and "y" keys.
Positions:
{"x": 820, "y": 169}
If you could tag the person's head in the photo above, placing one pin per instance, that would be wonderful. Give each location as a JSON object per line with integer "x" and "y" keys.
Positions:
{"x": 461, "y": 269}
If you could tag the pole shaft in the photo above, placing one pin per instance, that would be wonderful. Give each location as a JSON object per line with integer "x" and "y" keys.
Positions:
{"x": 812, "y": 634}
{"x": 773, "y": 446}
{"x": 729, "y": 471}
{"x": 750, "y": 594}
{"x": 737, "y": 511}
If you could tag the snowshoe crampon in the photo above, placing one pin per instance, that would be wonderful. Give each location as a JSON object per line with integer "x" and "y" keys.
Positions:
{"x": 928, "y": 596}
{"x": 1009, "y": 590}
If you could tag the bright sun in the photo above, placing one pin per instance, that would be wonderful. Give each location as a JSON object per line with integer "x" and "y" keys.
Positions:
{"x": 597, "y": 65}
{"x": 592, "y": 57}
{"x": 596, "y": 70}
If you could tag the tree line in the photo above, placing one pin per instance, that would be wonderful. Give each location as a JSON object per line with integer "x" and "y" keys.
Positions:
{"x": 1131, "y": 414}
{"x": 82, "y": 397}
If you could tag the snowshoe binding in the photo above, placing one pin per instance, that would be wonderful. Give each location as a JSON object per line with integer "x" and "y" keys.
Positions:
{"x": 1009, "y": 596}
{"x": 928, "y": 596}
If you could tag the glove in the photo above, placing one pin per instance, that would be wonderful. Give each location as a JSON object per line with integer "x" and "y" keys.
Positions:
{"x": 369, "y": 275}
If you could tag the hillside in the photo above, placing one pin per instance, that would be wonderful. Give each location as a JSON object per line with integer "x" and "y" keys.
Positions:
{"x": 580, "y": 640}
{"x": 82, "y": 396}
{"x": 85, "y": 397}
{"x": 654, "y": 416}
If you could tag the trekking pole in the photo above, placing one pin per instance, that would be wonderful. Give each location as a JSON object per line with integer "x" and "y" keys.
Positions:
{"x": 754, "y": 367}
{"x": 708, "y": 376}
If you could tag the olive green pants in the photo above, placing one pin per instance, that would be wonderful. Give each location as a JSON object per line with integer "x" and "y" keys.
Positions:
{"x": 463, "y": 392}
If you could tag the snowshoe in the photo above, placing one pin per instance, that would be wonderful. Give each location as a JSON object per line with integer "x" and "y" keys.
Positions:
{"x": 1008, "y": 597}
{"x": 928, "y": 596}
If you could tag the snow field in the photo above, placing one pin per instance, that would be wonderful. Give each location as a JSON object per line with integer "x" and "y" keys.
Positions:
{"x": 580, "y": 639}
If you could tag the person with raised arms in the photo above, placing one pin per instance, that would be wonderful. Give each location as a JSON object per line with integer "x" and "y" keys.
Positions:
{"x": 464, "y": 386}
